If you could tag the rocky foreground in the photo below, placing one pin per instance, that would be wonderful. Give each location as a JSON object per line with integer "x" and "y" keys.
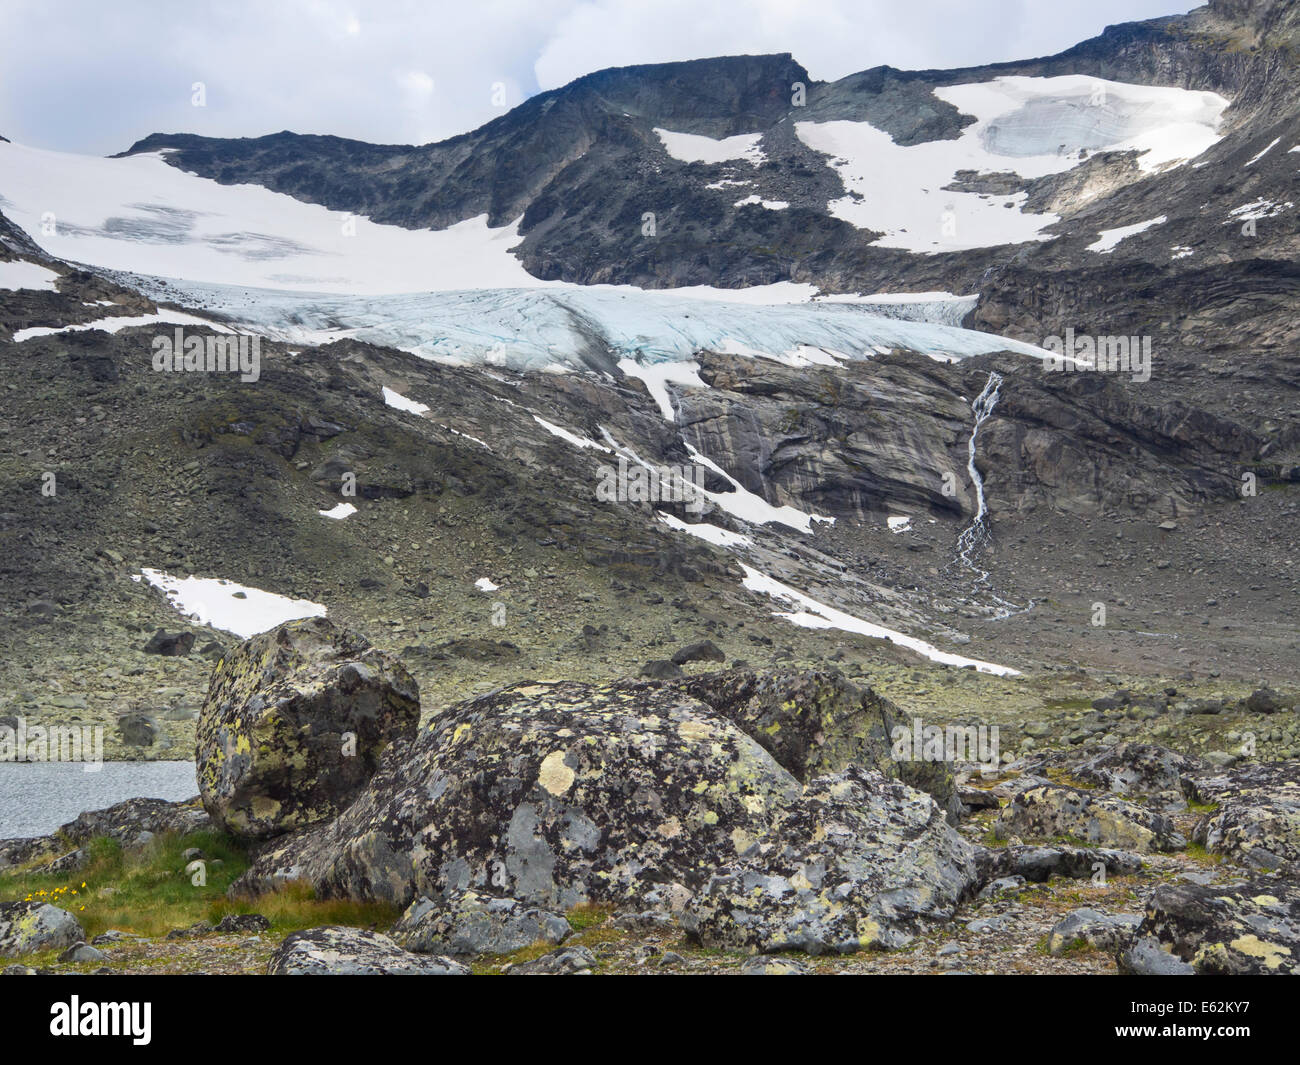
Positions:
{"x": 751, "y": 821}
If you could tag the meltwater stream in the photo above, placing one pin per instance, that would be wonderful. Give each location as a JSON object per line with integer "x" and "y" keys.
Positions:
{"x": 976, "y": 534}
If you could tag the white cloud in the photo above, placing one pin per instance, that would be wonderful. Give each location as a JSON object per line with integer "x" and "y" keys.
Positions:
{"x": 91, "y": 77}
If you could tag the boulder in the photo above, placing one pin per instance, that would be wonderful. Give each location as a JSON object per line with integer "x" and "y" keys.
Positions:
{"x": 294, "y": 724}
{"x": 1052, "y": 810}
{"x": 341, "y": 951}
{"x": 567, "y": 961}
{"x": 137, "y": 730}
{"x": 473, "y": 923}
{"x": 136, "y": 821}
{"x": 169, "y": 644}
{"x": 1256, "y": 819}
{"x": 817, "y": 721}
{"x": 1094, "y": 928}
{"x": 641, "y": 796}
{"x": 701, "y": 651}
{"x": 1040, "y": 864}
{"x": 1147, "y": 958}
{"x": 1265, "y": 701}
{"x": 770, "y": 965}
{"x": 83, "y": 952}
{"x": 29, "y": 927}
{"x": 1246, "y": 929}
{"x": 1132, "y": 770}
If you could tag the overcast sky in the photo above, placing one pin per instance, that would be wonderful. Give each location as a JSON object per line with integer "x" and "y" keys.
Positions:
{"x": 96, "y": 76}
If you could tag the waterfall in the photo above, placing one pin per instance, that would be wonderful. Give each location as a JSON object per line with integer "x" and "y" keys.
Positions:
{"x": 976, "y": 534}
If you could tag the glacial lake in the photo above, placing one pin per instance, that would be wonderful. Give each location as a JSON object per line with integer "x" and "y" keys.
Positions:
{"x": 38, "y": 797}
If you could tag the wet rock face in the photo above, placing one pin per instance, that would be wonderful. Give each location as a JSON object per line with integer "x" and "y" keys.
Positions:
{"x": 637, "y": 795}
{"x": 28, "y": 927}
{"x": 340, "y": 951}
{"x": 294, "y": 724}
{"x": 1252, "y": 929}
{"x": 1048, "y": 811}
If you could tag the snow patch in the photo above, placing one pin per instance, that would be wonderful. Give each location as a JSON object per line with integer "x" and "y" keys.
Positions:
{"x": 1031, "y": 126}
{"x": 212, "y": 602}
{"x": 713, "y": 534}
{"x": 396, "y": 399}
{"x": 20, "y": 274}
{"x": 771, "y": 205}
{"x": 339, "y": 512}
{"x": 814, "y": 615}
{"x": 657, "y": 376}
{"x": 692, "y": 148}
{"x": 116, "y": 325}
{"x": 564, "y": 434}
{"x": 1108, "y": 238}
{"x": 1256, "y": 158}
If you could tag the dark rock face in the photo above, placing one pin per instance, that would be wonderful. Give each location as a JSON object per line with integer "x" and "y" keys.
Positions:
{"x": 341, "y": 951}
{"x": 1252, "y": 929}
{"x": 294, "y": 724}
{"x": 638, "y": 795}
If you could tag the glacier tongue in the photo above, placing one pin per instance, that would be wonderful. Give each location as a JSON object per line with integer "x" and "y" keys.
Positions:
{"x": 576, "y": 327}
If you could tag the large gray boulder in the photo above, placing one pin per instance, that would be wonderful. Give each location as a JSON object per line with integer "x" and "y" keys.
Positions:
{"x": 817, "y": 721}
{"x": 336, "y": 950}
{"x": 1256, "y": 814}
{"x": 639, "y": 795}
{"x": 294, "y": 725}
{"x": 31, "y": 927}
{"x": 1053, "y": 811}
{"x": 473, "y": 923}
{"x": 1246, "y": 929}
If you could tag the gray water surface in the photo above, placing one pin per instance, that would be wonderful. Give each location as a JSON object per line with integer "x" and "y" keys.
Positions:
{"x": 38, "y": 797}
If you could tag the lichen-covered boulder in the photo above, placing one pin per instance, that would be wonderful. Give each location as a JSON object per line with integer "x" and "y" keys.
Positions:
{"x": 1246, "y": 929}
{"x": 30, "y": 927}
{"x": 1047, "y": 811}
{"x": 1039, "y": 864}
{"x": 336, "y": 950}
{"x": 294, "y": 725}
{"x": 473, "y": 923}
{"x": 637, "y": 795}
{"x": 1132, "y": 770}
{"x": 1256, "y": 819}
{"x": 817, "y": 721}
{"x": 1093, "y": 928}
{"x": 858, "y": 863}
